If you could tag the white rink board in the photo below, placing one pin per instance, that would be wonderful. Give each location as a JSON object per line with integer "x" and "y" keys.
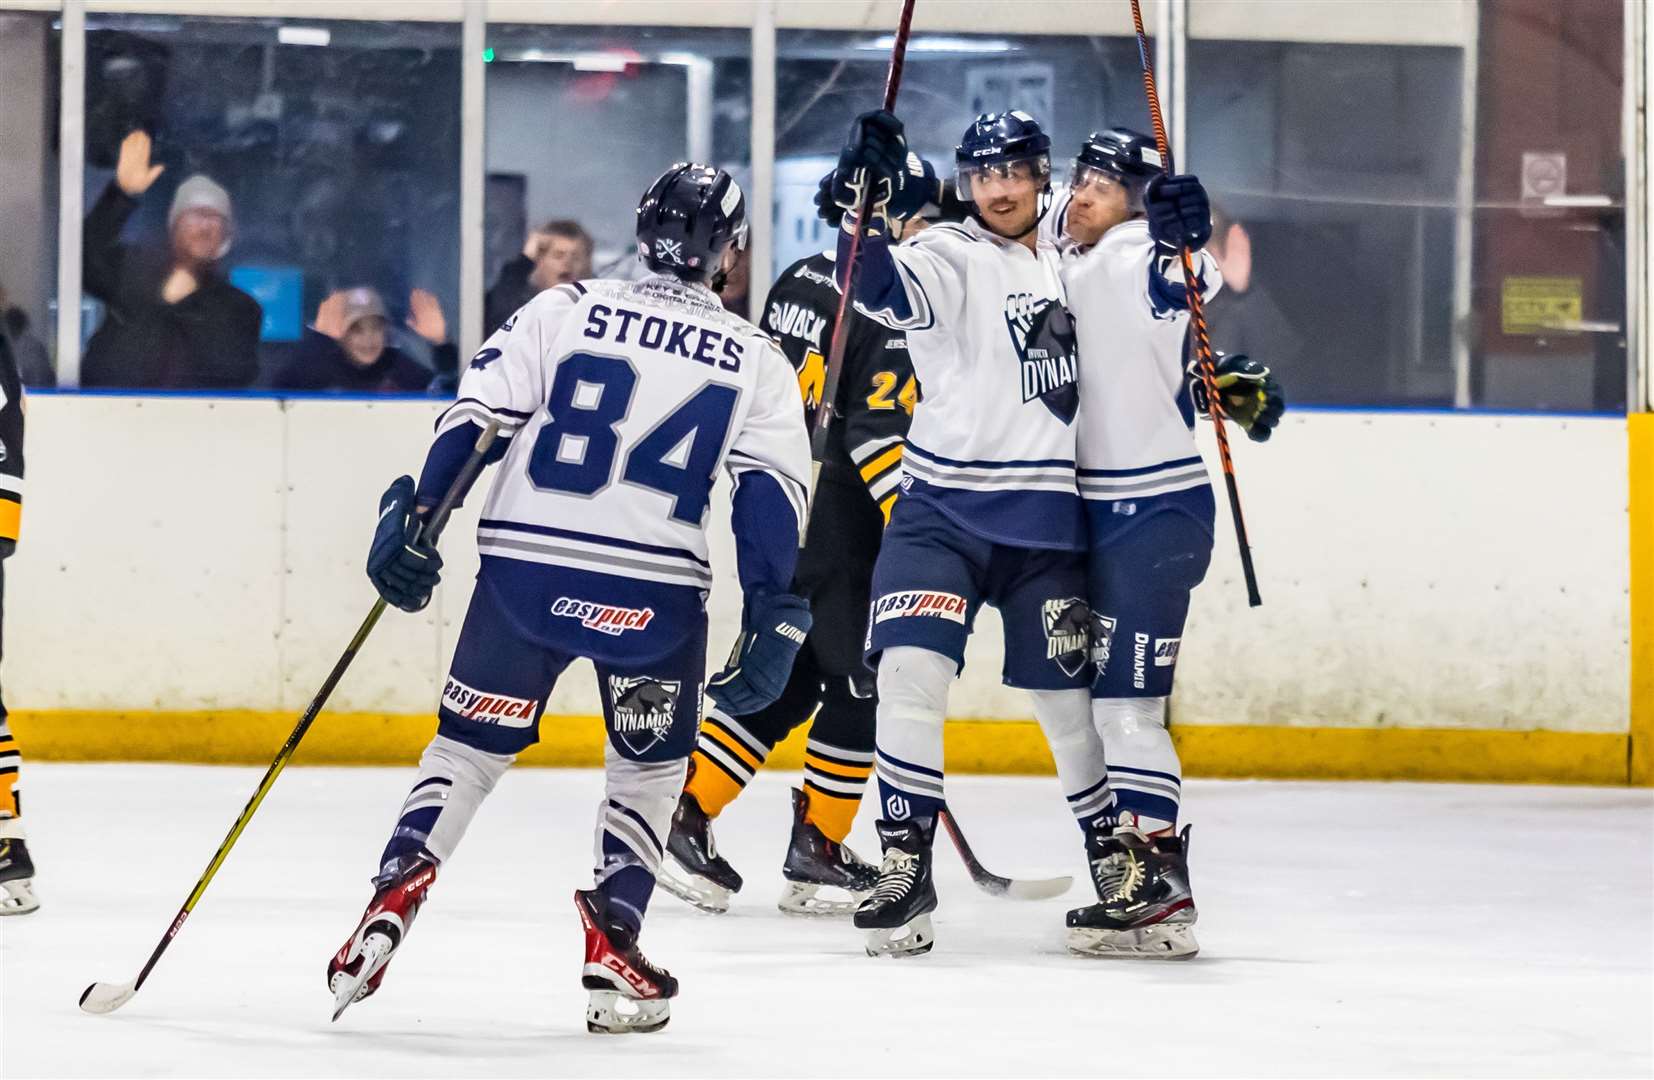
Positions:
{"x": 1406, "y": 934}
{"x": 1417, "y": 569}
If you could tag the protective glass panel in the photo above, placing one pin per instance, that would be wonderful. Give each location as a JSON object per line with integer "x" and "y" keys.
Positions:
{"x": 29, "y": 79}
{"x": 824, "y": 79}
{"x": 287, "y": 214}
{"x": 1390, "y": 239}
{"x": 580, "y": 121}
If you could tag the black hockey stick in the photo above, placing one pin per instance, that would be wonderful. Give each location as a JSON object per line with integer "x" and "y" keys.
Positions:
{"x": 993, "y": 884}
{"x": 828, "y": 408}
{"x": 1197, "y": 316}
{"x": 102, "y": 997}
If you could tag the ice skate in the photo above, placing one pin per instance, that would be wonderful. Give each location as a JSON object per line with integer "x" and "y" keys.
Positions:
{"x": 896, "y": 915}
{"x": 16, "y": 878}
{"x": 1145, "y": 909}
{"x": 693, "y": 870}
{"x": 628, "y": 993}
{"x": 814, "y": 863}
{"x": 358, "y": 968}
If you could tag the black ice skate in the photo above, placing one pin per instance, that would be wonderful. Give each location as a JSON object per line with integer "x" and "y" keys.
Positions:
{"x": 814, "y": 862}
{"x": 358, "y": 968}
{"x": 16, "y": 878}
{"x": 628, "y": 993}
{"x": 1145, "y": 909}
{"x": 896, "y": 915}
{"x": 694, "y": 871}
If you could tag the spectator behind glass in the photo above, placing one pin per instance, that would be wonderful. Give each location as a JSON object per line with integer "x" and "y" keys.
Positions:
{"x": 34, "y": 363}
{"x": 346, "y": 348}
{"x": 173, "y": 318}
{"x": 555, "y": 253}
{"x": 1243, "y": 315}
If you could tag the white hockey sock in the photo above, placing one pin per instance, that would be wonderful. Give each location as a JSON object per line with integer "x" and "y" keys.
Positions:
{"x": 913, "y": 702}
{"x": 632, "y": 826}
{"x": 1082, "y": 769}
{"x": 1142, "y": 763}
{"x": 452, "y": 782}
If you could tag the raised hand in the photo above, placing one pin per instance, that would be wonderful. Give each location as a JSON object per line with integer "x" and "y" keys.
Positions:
{"x": 133, "y": 172}
{"x": 425, "y": 317}
{"x": 330, "y": 316}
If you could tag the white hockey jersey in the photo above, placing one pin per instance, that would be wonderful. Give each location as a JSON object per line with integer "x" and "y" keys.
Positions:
{"x": 622, "y": 401}
{"x": 992, "y": 443}
{"x": 1136, "y": 437}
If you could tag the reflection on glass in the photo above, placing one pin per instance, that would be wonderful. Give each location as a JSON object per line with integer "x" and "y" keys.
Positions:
{"x": 246, "y": 178}
{"x": 580, "y": 121}
{"x": 1335, "y": 169}
{"x": 824, "y": 79}
{"x": 28, "y": 192}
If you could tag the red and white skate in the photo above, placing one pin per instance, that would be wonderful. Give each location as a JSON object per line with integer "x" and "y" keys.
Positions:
{"x": 628, "y": 993}
{"x": 358, "y": 968}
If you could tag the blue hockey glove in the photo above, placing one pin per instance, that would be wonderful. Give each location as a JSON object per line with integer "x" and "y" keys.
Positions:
{"x": 875, "y": 154}
{"x": 1178, "y": 211}
{"x": 762, "y": 660}
{"x": 920, "y": 189}
{"x": 401, "y": 568}
{"x": 1252, "y": 397}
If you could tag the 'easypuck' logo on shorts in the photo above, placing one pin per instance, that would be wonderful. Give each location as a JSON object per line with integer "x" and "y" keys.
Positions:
{"x": 608, "y": 619}
{"x": 487, "y": 708}
{"x": 915, "y": 602}
{"x": 1165, "y": 651}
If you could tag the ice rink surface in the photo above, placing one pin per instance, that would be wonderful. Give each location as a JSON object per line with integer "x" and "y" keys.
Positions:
{"x": 1346, "y": 929}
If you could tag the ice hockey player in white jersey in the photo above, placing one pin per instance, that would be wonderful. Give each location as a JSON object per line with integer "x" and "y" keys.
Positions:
{"x": 621, "y": 401}
{"x": 1149, "y": 509}
{"x": 990, "y": 512}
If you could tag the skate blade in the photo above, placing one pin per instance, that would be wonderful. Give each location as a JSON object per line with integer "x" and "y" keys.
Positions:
{"x": 349, "y": 989}
{"x": 1162, "y": 941}
{"x": 911, "y": 939}
{"x": 19, "y": 898}
{"x": 692, "y": 889}
{"x": 610, "y": 1012}
{"x": 101, "y": 998}
{"x": 805, "y": 901}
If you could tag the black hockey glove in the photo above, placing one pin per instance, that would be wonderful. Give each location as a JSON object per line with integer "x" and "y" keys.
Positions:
{"x": 403, "y": 569}
{"x": 1178, "y": 211}
{"x": 1251, "y": 396}
{"x": 920, "y": 189}
{"x": 762, "y": 660}
{"x": 874, "y": 155}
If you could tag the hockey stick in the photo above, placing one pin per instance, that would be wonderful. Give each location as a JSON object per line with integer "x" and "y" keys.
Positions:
{"x": 1197, "y": 315}
{"x": 993, "y": 884}
{"x": 835, "y": 351}
{"x": 100, "y": 998}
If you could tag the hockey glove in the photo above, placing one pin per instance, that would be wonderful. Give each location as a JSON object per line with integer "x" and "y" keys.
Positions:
{"x": 762, "y": 660}
{"x": 1178, "y": 211}
{"x": 402, "y": 568}
{"x": 1251, "y": 396}
{"x": 920, "y": 189}
{"x": 874, "y": 157}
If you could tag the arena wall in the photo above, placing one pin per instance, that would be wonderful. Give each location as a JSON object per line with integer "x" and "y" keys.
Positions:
{"x": 191, "y": 567}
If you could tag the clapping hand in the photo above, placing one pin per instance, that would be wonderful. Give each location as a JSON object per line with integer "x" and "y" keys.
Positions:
{"x": 133, "y": 172}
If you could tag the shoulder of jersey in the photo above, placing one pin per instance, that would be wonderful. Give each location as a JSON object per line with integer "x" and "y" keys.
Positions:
{"x": 946, "y": 232}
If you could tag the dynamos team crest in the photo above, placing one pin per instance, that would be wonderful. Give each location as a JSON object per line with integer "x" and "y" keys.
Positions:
{"x": 1043, "y": 332}
{"x": 643, "y": 709}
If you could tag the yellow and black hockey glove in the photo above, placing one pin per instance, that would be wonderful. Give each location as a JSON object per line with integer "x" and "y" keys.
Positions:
{"x": 1250, "y": 395}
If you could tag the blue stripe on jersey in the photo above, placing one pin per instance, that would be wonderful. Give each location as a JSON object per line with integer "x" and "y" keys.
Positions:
{"x": 1179, "y": 462}
{"x": 1009, "y": 463}
{"x": 590, "y": 538}
{"x": 1147, "y": 772}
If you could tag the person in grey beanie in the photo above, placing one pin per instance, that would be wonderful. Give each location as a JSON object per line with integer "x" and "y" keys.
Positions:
{"x": 174, "y": 320}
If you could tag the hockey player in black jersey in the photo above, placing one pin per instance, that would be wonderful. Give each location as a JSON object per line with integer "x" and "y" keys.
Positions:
{"x": 860, "y": 471}
{"x": 16, "y": 870}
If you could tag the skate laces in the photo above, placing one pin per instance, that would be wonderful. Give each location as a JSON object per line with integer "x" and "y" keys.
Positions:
{"x": 1119, "y": 875}
{"x": 896, "y": 876}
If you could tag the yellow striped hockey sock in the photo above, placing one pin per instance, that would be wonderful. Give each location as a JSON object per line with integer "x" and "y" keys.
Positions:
{"x": 11, "y": 762}
{"x": 726, "y": 758}
{"x": 834, "y": 779}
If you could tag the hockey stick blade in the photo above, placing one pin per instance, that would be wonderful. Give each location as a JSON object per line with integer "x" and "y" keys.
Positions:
{"x": 101, "y": 998}
{"x": 993, "y": 884}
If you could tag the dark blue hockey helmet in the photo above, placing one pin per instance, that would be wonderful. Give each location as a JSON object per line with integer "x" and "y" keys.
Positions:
{"x": 1118, "y": 155}
{"x": 1004, "y": 144}
{"x": 689, "y": 216}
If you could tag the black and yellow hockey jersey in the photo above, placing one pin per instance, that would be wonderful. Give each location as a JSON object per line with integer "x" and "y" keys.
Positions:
{"x": 11, "y": 447}
{"x": 876, "y": 391}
